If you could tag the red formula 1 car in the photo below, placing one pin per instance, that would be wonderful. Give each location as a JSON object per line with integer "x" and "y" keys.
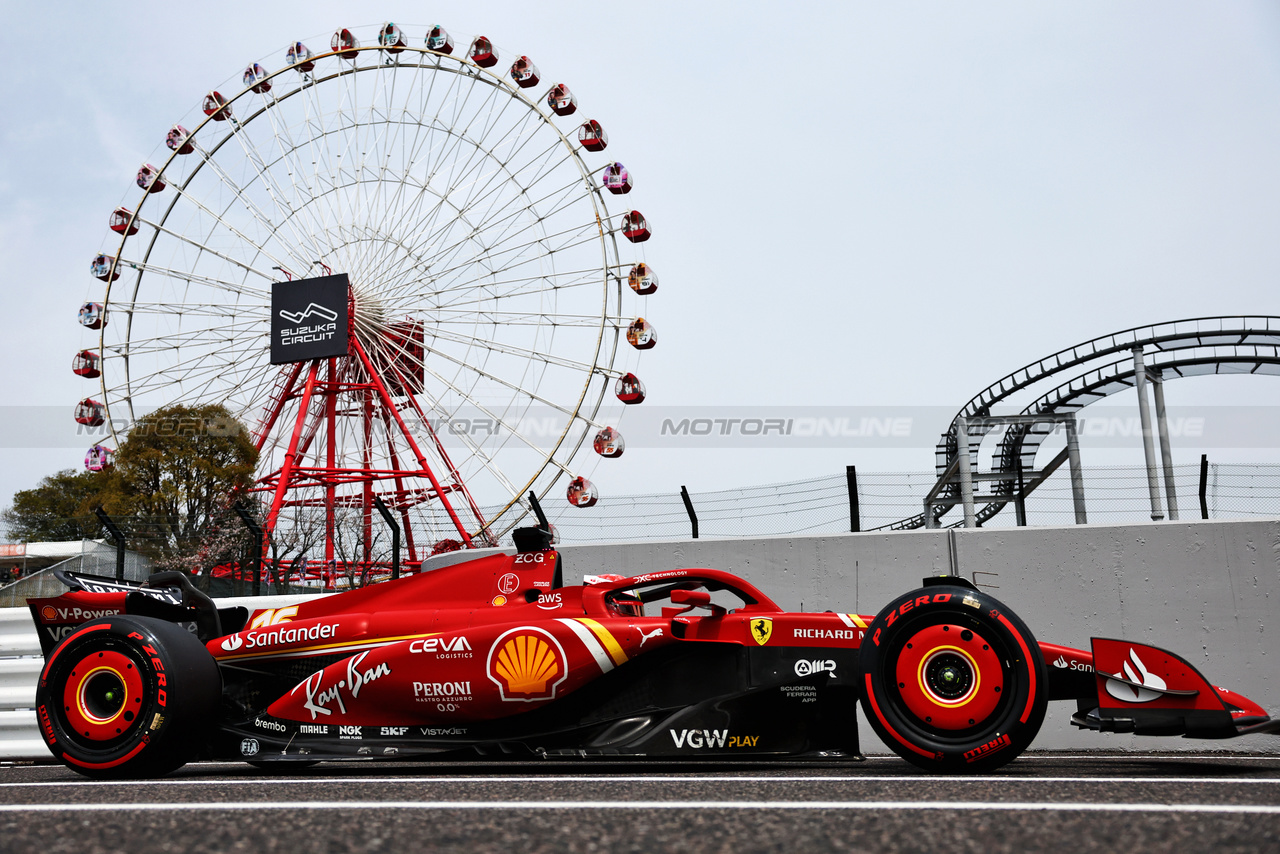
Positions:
{"x": 496, "y": 657}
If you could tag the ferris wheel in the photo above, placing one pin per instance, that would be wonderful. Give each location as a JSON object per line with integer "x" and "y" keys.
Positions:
{"x": 495, "y": 300}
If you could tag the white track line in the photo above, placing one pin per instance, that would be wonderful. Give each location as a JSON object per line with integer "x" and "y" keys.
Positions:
{"x": 507, "y": 806}
{"x": 280, "y": 781}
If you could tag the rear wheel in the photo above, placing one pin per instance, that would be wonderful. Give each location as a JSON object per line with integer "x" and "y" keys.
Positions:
{"x": 128, "y": 697}
{"x": 952, "y": 680}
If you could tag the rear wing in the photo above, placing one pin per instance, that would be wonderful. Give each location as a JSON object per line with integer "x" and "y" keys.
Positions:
{"x": 168, "y": 596}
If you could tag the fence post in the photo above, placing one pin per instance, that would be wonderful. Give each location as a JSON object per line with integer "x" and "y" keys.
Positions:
{"x": 855, "y": 512}
{"x": 1019, "y": 499}
{"x": 1204, "y": 486}
{"x": 256, "y": 530}
{"x": 395, "y": 536}
{"x": 115, "y": 535}
{"x": 688, "y": 506}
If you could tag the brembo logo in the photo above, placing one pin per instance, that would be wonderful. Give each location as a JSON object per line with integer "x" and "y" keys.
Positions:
{"x": 1136, "y": 672}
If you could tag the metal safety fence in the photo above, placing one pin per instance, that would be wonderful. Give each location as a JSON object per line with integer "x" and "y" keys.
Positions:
{"x": 826, "y": 505}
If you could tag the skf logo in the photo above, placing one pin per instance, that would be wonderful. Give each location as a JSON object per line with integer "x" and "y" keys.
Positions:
{"x": 761, "y": 630}
{"x": 527, "y": 664}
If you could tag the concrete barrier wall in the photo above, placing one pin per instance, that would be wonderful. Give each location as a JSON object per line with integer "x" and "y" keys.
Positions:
{"x": 1208, "y": 591}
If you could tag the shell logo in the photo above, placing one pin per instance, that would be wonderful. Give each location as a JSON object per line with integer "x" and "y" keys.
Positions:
{"x": 527, "y": 664}
{"x": 49, "y": 613}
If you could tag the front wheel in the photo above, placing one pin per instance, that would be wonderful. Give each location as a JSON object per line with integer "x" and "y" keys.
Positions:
{"x": 952, "y": 680}
{"x": 127, "y": 697}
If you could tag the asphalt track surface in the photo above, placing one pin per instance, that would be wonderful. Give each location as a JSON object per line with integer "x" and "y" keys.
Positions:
{"x": 1042, "y": 802}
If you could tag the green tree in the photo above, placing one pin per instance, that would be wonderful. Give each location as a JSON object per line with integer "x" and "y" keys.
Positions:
{"x": 60, "y": 508}
{"x": 174, "y": 477}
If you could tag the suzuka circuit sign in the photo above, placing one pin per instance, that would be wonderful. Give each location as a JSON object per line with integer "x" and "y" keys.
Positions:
{"x": 309, "y": 319}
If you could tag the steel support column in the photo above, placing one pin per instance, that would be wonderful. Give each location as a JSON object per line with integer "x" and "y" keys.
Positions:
{"x": 965, "y": 471}
{"x": 1077, "y": 476}
{"x": 1148, "y": 443}
{"x": 1166, "y": 450}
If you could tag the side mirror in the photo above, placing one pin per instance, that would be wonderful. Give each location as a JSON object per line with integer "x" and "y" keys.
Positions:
{"x": 692, "y": 598}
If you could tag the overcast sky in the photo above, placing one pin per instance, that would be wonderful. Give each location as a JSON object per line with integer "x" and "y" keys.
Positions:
{"x": 853, "y": 204}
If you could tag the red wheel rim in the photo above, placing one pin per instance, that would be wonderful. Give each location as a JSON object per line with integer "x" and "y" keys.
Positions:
{"x": 103, "y": 696}
{"x": 949, "y": 677}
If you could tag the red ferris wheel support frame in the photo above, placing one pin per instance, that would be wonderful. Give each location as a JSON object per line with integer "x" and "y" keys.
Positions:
{"x": 317, "y": 387}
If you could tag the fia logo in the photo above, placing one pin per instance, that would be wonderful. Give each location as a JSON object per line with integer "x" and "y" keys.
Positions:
{"x": 249, "y": 747}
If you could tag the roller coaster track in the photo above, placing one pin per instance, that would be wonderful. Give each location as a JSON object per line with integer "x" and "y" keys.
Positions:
{"x": 1183, "y": 348}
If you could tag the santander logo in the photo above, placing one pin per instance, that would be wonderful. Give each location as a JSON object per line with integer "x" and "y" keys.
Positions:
{"x": 1135, "y": 671}
{"x": 232, "y": 643}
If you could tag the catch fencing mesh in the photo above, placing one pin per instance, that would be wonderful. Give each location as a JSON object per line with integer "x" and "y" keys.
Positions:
{"x": 1113, "y": 494}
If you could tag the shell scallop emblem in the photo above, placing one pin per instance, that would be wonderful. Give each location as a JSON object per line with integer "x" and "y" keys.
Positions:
{"x": 527, "y": 664}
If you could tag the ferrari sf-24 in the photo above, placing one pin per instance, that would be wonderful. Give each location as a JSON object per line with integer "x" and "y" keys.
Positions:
{"x": 497, "y": 657}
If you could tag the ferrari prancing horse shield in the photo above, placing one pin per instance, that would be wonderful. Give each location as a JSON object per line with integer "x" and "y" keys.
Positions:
{"x": 761, "y": 629}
